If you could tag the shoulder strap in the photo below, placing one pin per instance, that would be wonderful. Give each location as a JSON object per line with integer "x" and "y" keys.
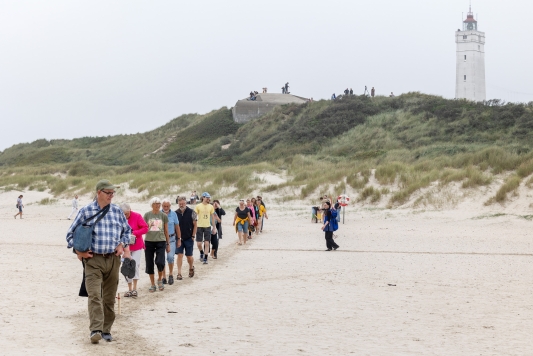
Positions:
{"x": 102, "y": 213}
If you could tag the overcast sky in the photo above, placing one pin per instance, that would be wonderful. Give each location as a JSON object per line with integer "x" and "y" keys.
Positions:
{"x": 96, "y": 68}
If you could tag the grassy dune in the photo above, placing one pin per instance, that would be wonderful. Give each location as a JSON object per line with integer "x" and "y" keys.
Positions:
{"x": 386, "y": 149}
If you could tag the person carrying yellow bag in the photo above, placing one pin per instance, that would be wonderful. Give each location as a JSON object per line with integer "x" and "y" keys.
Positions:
{"x": 262, "y": 214}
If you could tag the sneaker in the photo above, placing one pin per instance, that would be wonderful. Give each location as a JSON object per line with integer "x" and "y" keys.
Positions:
{"x": 201, "y": 257}
{"x": 164, "y": 281}
{"x": 171, "y": 280}
{"x": 205, "y": 261}
{"x": 107, "y": 337}
{"x": 96, "y": 336}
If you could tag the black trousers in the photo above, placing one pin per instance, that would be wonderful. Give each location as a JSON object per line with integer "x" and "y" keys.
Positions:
{"x": 330, "y": 244}
{"x": 219, "y": 230}
{"x": 214, "y": 244}
{"x": 157, "y": 249}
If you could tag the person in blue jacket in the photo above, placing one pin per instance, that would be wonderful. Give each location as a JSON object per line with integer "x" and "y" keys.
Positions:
{"x": 330, "y": 225}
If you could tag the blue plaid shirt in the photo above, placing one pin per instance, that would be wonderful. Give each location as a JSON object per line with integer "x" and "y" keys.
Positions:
{"x": 108, "y": 233}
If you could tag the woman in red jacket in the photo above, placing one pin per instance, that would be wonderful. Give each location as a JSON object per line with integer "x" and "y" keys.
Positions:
{"x": 139, "y": 228}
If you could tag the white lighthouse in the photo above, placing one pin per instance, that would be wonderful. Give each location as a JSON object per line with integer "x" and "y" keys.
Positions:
{"x": 470, "y": 71}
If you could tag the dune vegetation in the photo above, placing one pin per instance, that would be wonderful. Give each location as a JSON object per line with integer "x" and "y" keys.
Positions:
{"x": 384, "y": 150}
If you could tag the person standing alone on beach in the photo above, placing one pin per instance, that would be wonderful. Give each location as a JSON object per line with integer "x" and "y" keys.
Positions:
{"x": 19, "y": 206}
{"x": 74, "y": 211}
{"x": 111, "y": 237}
{"x": 330, "y": 224}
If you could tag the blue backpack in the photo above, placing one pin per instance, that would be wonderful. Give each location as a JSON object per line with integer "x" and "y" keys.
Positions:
{"x": 333, "y": 220}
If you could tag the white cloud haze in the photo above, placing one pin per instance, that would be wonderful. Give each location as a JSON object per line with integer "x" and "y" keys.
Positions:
{"x": 96, "y": 68}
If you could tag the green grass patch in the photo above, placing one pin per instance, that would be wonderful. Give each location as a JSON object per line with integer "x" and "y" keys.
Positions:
{"x": 511, "y": 184}
{"x": 47, "y": 201}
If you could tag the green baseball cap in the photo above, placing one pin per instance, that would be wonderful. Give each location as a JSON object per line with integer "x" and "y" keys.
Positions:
{"x": 105, "y": 184}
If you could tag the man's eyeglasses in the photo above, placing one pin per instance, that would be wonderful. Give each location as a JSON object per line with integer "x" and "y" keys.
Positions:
{"x": 109, "y": 194}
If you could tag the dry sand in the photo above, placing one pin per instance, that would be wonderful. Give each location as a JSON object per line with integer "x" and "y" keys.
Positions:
{"x": 453, "y": 282}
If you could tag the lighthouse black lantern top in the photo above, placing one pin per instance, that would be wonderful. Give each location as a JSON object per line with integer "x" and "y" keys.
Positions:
{"x": 470, "y": 24}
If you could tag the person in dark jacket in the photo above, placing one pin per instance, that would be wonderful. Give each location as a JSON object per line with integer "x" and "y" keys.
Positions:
{"x": 187, "y": 219}
{"x": 219, "y": 212}
{"x": 327, "y": 228}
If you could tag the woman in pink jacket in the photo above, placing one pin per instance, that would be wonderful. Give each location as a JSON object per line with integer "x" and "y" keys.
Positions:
{"x": 139, "y": 228}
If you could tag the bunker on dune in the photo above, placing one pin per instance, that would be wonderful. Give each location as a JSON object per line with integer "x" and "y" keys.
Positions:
{"x": 246, "y": 110}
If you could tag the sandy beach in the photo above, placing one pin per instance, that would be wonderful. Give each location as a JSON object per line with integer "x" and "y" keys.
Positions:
{"x": 404, "y": 282}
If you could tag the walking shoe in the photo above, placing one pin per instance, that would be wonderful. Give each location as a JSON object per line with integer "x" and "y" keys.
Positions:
{"x": 96, "y": 336}
{"x": 171, "y": 280}
{"x": 205, "y": 261}
{"x": 335, "y": 248}
{"x": 201, "y": 257}
{"x": 107, "y": 337}
{"x": 164, "y": 281}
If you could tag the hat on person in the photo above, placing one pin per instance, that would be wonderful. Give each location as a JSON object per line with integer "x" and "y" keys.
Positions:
{"x": 128, "y": 268}
{"x": 206, "y": 195}
{"x": 104, "y": 184}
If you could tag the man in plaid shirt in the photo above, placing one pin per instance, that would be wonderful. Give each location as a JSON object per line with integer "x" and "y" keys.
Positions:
{"x": 111, "y": 238}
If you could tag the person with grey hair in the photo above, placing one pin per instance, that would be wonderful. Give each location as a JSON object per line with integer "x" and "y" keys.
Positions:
{"x": 156, "y": 242}
{"x": 138, "y": 228}
{"x": 173, "y": 233}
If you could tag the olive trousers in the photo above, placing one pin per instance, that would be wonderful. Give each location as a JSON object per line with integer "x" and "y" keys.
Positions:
{"x": 101, "y": 281}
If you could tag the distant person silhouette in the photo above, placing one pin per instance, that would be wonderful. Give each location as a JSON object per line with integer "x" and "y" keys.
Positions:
{"x": 351, "y": 91}
{"x": 372, "y": 92}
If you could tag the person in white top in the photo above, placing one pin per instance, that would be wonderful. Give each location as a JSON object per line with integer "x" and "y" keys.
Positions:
{"x": 74, "y": 207}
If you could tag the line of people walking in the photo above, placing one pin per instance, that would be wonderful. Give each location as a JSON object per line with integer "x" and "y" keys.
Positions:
{"x": 249, "y": 217}
{"x": 118, "y": 232}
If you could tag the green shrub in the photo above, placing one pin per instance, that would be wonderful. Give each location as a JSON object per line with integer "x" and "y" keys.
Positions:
{"x": 358, "y": 180}
{"x": 370, "y": 192}
{"x": 475, "y": 178}
{"x": 511, "y": 184}
{"x": 386, "y": 174}
{"x": 47, "y": 201}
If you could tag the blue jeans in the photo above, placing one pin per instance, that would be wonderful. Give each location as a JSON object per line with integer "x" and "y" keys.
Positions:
{"x": 243, "y": 228}
{"x": 170, "y": 255}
